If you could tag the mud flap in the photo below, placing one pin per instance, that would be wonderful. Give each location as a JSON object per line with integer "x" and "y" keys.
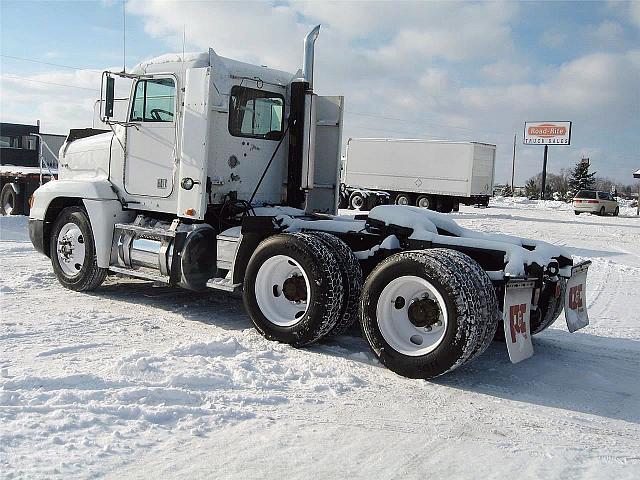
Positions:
{"x": 575, "y": 302}
{"x": 516, "y": 316}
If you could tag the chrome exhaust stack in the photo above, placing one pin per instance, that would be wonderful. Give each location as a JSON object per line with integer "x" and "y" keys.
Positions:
{"x": 307, "y": 63}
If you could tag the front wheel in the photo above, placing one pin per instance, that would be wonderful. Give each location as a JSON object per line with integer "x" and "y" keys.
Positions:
{"x": 616, "y": 212}
{"x": 425, "y": 313}
{"x": 576, "y": 212}
{"x": 73, "y": 251}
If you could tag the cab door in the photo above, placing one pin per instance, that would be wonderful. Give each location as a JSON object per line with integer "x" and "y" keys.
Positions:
{"x": 151, "y": 153}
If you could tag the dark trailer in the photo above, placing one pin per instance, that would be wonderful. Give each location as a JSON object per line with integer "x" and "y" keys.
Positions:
{"x": 21, "y": 149}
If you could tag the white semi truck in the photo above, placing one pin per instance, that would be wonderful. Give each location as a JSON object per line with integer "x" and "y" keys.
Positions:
{"x": 433, "y": 174}
{"x": 225, "y": 175}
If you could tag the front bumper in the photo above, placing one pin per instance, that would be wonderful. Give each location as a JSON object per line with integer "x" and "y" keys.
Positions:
{"x": 36, "y": 234}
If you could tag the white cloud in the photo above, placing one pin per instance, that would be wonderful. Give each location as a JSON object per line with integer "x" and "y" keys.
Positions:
{"x": 609, "y": 33}
{"x": 59, "y": 99}
{"x": 503, "y": 71}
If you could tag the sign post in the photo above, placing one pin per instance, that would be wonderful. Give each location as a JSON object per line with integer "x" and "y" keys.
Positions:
{"x": 546, "y": 133}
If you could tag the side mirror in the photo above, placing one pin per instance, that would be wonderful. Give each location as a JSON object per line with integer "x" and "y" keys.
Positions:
{"x": 109, "y": 90}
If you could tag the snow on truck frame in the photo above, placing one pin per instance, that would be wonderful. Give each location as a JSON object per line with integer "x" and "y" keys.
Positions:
{"x": 225, "y": 175}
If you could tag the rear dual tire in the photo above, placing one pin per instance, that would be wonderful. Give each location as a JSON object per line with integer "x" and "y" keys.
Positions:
{"x": 301, "y": 287}
{"x": 454, "y": 317}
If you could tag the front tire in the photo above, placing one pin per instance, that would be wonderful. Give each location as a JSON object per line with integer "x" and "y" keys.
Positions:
{"x": 293, "y": 289}
{"x": 616, "y": 212}
{"x": 576, "y": 212}
{"x": 73, "y": 251}
{"x": 425, "y": 313}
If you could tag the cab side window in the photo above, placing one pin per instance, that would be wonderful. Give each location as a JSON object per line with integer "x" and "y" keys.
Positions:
{"x": 255, "y": 113}
{"x": 154, "y": 100}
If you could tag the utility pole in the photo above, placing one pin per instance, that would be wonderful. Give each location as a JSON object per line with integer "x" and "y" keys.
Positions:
{"x": 544, "y": 172}
{"x": 513, "y": 166}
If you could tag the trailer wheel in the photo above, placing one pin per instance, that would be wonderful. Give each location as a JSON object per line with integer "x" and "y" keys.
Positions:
{"x": 424, "y": 201}
{"x": 73, "y": 252}
{"x": 11, "y": 202}
{"x": 402, "y": 199}
{"x": 293, "y": 289}
{"x": 425, "y": 313}
{"x": 351, "y": 281}
{"x": 356, "y": 201}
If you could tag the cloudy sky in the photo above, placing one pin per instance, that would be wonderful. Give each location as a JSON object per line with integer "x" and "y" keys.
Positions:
{"x": 460, "y": 71}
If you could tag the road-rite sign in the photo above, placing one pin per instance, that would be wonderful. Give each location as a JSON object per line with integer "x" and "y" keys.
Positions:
{"x": 547, "y": 133}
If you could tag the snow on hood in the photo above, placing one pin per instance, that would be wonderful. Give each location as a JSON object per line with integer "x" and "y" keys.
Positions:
{"x": 426, "y": 223}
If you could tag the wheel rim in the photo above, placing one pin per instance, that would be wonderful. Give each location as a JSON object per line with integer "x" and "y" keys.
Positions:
{"x": 423, "y": 202}
{"x": 282, "y": 291}
{"x": 356, "y": 201}
{"x": 405, "y": 331}
{"x": 402, "y": 200}
{"x": 70, "y": 248}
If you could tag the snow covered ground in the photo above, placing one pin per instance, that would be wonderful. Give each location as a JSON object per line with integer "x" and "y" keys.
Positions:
{"x": 134, "y": 381}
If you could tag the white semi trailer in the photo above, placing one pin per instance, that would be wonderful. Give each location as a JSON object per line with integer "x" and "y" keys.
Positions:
{"x": 433, "y": 174}
{"x": 224, "y": 175}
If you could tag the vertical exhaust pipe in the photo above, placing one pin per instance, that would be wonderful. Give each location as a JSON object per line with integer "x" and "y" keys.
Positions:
{"x": 307, "y": 67}
{"x": 302, "y": 130}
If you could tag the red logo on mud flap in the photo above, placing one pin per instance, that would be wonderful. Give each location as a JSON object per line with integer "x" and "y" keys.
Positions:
{"x": 575, "y": 298}
{"x": 516, "y": 320}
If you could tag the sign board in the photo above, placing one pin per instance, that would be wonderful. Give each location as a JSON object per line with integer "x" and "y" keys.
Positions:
{"x": 547, "y": 133}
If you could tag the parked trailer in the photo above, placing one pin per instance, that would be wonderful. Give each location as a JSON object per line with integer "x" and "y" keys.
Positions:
{"x": 433, "y": 174}
{"x": 224, "y": 175}
{"x": 28, "y": 159}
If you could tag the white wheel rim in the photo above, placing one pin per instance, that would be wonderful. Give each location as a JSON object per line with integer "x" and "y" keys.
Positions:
{"x": 269, "y": 290}
{"x": 402, "y": 200}
{"x": 70, "y": 249}
{"x": 423, "y": 202}
{"x": 356, "y": 202}
{"x": 394, "y": 323}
